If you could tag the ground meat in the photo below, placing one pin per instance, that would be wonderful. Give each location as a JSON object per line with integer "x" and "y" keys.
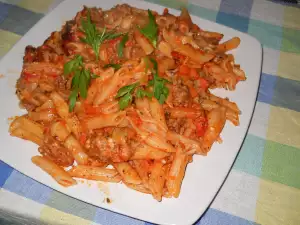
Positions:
{"x": 56, "y": 152}
{"x": 102, "y": 147}
{"x": 177, "y": 125}
{"x": 30, "y": 54}
{"x": 181, "y": 95}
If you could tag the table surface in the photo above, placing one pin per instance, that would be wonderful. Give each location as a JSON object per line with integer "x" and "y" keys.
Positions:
{"x": 263, "y": 186}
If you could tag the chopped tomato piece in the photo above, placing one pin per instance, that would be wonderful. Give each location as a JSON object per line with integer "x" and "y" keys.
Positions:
{"x": 184, "y": 70}
{"x": 29, "y": 76}
{"x": 82, "y": 138}
{"x": 114, "y": 41}
{"x": 203, "y": 83}
{"x": 178, "y": 56}
{"x": 193, "y": 91}
{"x": 194, "y": 74}
{"x": 129, "y": 43}
{"x": 89, "y": 109}
{"x": 201, "y": 126}
{"x": 135, "y": 117}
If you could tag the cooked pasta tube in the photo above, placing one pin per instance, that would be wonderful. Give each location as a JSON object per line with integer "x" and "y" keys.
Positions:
{"x": 176, "y": 173}
{"x": 157, "y": 179}
{"x": 128, "y": 174}
{"x": 144, "y": 151}
{"x": 58, "y": 173}
{"x": 26, "y": 124}
{"x": 95, "y": 173}
{"x": 60, "y": 105}
{"x": 26, "y": 135}
{"x": 77, "y": 151}
{"x": 105, "y": 120}
{"x": 60, "y": 130}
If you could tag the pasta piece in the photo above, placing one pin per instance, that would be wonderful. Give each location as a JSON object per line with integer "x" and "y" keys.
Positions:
{"x": 42, "y": 115}
{"x": 185, "y": 21}
{"x": 186, "y": 50}
{"x": 157, "y": 179}
{"x": 26, "y": 124}
{"x": 143, "y": 42}
{"x": 105, "y": 120}
{"x": 165, "y": 48}
{"x": 157, "y": 112}
{"x": 139, "y": 188}
{"x": 60, "y": 130}
{"x": 128, "y": 174}
{"x": 74, "y": 125}
{"x": 216, "y": 121}
{"x": 77, "y": 151}
{"x": 111, "y": 86}
{"x": 232, "y": 116}
{"x": 225, "y": 102}
{"x": 60, "y": 105}
{"x": 176, "y": 173}
{"x": 209, "y": 105}
{"x": 181, "y": 112}
{"x": 59, "y": 174}
{"x": 26, "y": 135}
{"x": 143, "y": 169}
{"x": 229, "y": 45}
{"x": 46, "y": 106}
{"x": 165, "y": 64}
{"x": 144, "y": 151}
{"x": 190, "y": 146}
{"x": 95, "y": 173}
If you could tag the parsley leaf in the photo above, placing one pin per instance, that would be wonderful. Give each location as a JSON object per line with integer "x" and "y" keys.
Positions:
{"x": 127, "y": 89}
{"x": 147, "y": 66}
{"x": 115, "y": 66}
{"x": 80, "y": 80}
{"x": 72, "y": 99}
{"x": 125, "y": 101}
{"x": 160, "y": 90}
{"x": 72, "y": 65}
{"x": 122, "y": 45}
{"x": 92, "y": 35}
{"x": 140, "y": 93}
{"x": 150, "y": 30}
{"x": 125, "y": 95}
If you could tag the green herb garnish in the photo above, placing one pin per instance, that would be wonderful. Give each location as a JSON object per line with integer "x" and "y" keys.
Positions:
{"x": 160, "y": 90}
{"x": 140, "y": 93}
{"x": 125, "y": 95}
{"x": 93, "y": 37}
{"x": 150, "y": 30}
{"x": 80, "y": 81}
{"x": 122, "y": 45}
{"x": 113, "y": 65}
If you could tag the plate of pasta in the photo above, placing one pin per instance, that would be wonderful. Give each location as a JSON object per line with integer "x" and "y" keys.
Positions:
{"x": 150, "y": 102}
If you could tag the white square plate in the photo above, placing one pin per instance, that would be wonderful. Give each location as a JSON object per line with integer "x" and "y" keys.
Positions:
{"x": 204, "y": 176}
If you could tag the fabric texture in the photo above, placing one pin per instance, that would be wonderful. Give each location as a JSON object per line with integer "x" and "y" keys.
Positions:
{"x": 263, "y": 186}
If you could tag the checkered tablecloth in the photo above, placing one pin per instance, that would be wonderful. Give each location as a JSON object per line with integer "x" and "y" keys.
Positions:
{"x": 264, "y": 185}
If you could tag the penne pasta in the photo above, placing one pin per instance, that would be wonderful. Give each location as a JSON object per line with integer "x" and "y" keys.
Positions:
{"x": 144, "y": 151}
{"x": 229, "y": 45}
{"x": 95, "y": 173}
{"x": 78, "y": 153}
{"x": 60, "y": 105}
{"x": 128, "y": 174}
{"x": 157, "y": 179}
{"x": 58, "y": 174}
{"x": 26, "y": 135}
{"x": 60, "y": 130}
{"x": 176, "y": 173}
{"x": 105, "y": 120}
